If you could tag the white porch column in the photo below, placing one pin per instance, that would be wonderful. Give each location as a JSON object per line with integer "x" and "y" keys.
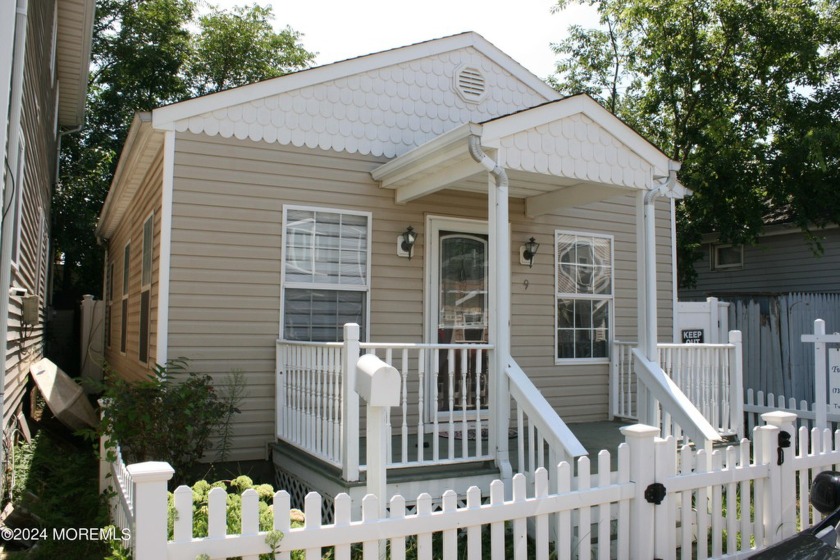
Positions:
{"x": 500, "y": 316}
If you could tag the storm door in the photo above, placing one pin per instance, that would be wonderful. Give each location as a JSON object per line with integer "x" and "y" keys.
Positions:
{"x": 460, "y": 315}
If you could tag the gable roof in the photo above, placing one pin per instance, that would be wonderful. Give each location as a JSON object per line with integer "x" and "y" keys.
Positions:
{"x": 383, "y": 104}
{"x": 562, "y": 153}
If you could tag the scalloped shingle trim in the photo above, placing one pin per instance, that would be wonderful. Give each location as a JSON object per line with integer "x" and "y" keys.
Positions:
{"x": 383, "y": 112}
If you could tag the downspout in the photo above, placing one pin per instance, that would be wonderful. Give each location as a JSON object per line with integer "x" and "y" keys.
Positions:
{"x": 650, "y": 348}
{"x": 500, "y": 242}
{"x": 15, "y": 105}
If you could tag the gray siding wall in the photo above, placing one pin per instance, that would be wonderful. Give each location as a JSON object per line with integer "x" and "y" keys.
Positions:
{"x": 226, "y": 257}
{"x": 24, "y": 344}
{"x": 779, "y": 263}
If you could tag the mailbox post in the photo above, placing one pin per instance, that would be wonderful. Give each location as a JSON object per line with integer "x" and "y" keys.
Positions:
{"x": 379, "y": 385}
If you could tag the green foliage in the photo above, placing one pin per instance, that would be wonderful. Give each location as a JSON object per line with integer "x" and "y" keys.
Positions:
{"x": 234, "y": 488}
{"x": 148, "y": 53}
{"x": 169, "y": 416}
{"x": 56, "y": 481}
{"x": 745, "y": 94}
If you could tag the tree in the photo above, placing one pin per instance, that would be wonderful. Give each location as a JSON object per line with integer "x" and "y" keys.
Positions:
{"x": 143, "y": 56}
{"x": 730, "y": 88}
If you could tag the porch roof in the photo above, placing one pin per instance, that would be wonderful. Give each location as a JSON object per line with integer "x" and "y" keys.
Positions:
{"x": 562, "y": 153}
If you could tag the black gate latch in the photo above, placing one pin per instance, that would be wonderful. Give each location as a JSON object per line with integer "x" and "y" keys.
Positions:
{"x": 784, "y": 443}
{"x": 655, "y": 493}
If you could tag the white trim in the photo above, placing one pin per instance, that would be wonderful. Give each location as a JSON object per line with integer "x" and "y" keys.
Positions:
{"x": 165, "y": 258}
{"x": 17, "y": 201}
{"x": 366, "y": 287}
{"x": 592, "y": 297}
{"x": 675, "y": 327}
{"x": 54, "y": 44}
{"x": 165, "y": 117}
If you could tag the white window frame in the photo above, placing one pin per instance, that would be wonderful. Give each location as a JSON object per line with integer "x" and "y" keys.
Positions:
{"x": 330, "y": 287}
{"x": 16, "y": 203}
{"x": 716, "y": 247}
{"x": 591, "y": 297}
{"x": 146, "y": 287}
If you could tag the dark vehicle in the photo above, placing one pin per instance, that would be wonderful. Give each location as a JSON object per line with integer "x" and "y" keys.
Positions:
{"x": 820, "y": 541}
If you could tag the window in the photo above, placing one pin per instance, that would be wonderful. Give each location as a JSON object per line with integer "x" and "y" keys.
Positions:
{"x": 584, "y": 293}
{"x": 109, "y": 302}
{"x": 124, "y": 315}
{"x": 145, "y": 289}
{"x": 326, "y": 256}
{"x": 727, "y": 256}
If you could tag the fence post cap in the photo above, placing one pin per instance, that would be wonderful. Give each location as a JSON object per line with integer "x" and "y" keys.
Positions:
{"x": 151, "y": 471}
{"x": 735, "y": 336}
{"x": 351, "y": 331}
{"x": 639, "y": 431}
{"x": 779, "y": 418}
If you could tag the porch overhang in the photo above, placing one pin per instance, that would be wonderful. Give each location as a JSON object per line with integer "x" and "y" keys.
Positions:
{"x": 561, "y": 154}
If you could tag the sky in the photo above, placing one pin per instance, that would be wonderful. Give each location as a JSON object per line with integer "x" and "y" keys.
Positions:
{"x": 341, "y": 29}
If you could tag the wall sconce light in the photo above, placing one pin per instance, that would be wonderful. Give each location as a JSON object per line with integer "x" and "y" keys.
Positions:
{"x": 527, "y": 252}
{"x": 405, "y": 242}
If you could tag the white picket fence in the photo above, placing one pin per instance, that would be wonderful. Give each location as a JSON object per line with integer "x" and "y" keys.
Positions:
{"x": 757, "y": 403}
{"x": 724, "y": 505}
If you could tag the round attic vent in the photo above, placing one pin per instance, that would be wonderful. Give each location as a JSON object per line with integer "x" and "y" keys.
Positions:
{"x": 470, "y": 84}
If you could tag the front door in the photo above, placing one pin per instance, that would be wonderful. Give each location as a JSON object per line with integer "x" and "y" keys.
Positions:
{"x": 459, "y": 313}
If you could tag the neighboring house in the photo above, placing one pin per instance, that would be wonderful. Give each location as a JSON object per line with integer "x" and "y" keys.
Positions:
{"x": 776, "y": 289}
{"x": 782, "y": 261}
{"x": 280, "y": 210}
{"x": 44, "y": 57}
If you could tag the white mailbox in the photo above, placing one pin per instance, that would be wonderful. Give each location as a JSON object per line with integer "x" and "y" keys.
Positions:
{"x": 377, "y": 382}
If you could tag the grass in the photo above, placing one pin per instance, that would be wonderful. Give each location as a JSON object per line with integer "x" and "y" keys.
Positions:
{"x": 55, "y": 484}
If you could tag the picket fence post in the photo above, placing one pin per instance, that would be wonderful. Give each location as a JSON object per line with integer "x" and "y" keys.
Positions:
{"x": 350, "y": 405}
{"x": 642, "y": 442}
{"x": 736, "y": 384}
{"x": 782, "y": 480}
{"x": 150, "y": 531}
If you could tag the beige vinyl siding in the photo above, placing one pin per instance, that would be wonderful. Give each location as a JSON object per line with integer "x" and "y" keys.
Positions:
{"x": 225, "y": 288}
{"x": 25, "y": 344}
{"x": 147, "y": 200}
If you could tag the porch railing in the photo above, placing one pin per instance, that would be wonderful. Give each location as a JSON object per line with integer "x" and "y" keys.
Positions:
{"x": 543, "y": 438}
{"x": 442, "y": 416}
{"x": 709, "y": 375}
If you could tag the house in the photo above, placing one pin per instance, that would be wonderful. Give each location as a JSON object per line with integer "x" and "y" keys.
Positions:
{"x": 44, "y": 57}
{"x": 776, "y": 289}
{"x": 782, "y": 261}
{"x": 487, "y": 235}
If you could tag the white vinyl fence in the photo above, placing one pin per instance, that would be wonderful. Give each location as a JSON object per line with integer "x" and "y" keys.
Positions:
{"x": 660, "y": 502}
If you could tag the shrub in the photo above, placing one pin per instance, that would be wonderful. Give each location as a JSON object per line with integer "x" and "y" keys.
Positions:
{"x": 169, "y": 416}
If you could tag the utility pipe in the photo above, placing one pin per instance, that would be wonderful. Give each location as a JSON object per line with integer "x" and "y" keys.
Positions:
{"x": 497, "y": 202}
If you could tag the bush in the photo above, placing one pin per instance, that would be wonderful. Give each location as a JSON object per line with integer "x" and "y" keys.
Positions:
{"x": 235, "y": 488}
{"x": 170, "y": 416}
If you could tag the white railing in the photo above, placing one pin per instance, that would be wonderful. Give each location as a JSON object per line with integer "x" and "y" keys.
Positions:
{"x": 543, "y": 438}
{"x": 442, "y": 416}
{"x": 116, "y": 484}
{"x": 709, "y": 375}
{"x": 729, "y": 504}
{"x": 444, "y": 396}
